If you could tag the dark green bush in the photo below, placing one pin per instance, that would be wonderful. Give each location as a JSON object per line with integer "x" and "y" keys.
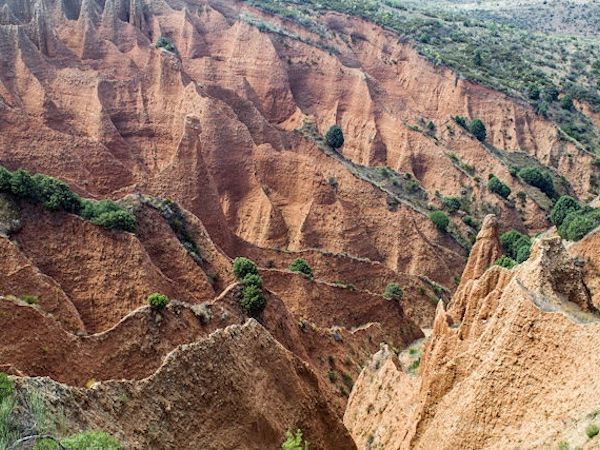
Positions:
{"x": 253, "y": 301}
{"x": 299, "y": 265}
{"x": 563, "y": 207}
{"x": 498, "y": 187}
{"x": 505, "y": 261}
{"x": 334, "y": 137}
{"x": 5, "y": 180}
{"x": 578, "y": 224}
{"x": 22, "y": 185}
{"x": 468, "y": 220}
{"x": 516, "y": 245}
{"x": 451, "y": 203}
{"x": 6, "y": 386}
{"x": 252, "y": 280}
{"x": 567, "y": 102}
{"x": 550, "y": 93}
{"x": 393, "y": 291}
{"x": 165, "y": 42}
{"x": 117, "y": 220}
{"x": 440, "y": 220}
{"x": 55, "y": 195}
{"x": 158, "y": 301}
{"x": 533, "y": 92}
{"x": 538, "y": 178}
{"x": 243, "y": 266}
{"x": 477, "y": 128}
{"x": 460, "y": 120}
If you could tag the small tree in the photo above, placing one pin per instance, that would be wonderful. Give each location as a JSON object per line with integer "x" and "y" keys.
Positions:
{"x": 243, "y": 266}
{"x": 300, "y": 265}
{"x": 516, "y": 245}
{"x": 440, "y": 220}
{"x": 334, "y": 137}
{"x": 498, "y": 187}
{"x": 563, "y": 207}
{"x": 538, "y": 178}
{"x": 117, "y": 220}
{"x": 22, "y": 185}
{"x": 253, "y": 301}
{"x": 506, "y": 262}
{"x": 157, "y": 301}
{"x": 477, "y": 128}
{"x": 294, "y": 441}
{"x": 461, "y": 121}
{"x": 452, "y": 204}
{"x": 393, "y": 291}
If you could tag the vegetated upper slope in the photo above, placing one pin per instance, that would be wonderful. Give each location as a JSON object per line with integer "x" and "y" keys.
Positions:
{"x": 507, "y": 55}
{"x": 509, "y": 367}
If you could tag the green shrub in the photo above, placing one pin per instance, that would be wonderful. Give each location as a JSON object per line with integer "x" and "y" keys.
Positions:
{"x": 55, "y": 195}
{"x": 30, "y": 299}
{"x": 6, "y": 386}
{"x": 5, "y": 180}
{"x": 567, "y": 102}
{"x": 430, "y": 126}
{"x": 117, "y": 220}
{"x": 22, "y": 185}
{"x": 393, "y": 291}
{"x": 505, "y": 261}
{"x": 533, "y": 92}
{"x": 550, "y": 93}
{"x": 592, "y": 430}
{"x": 538, "y": 178}
{"x": 108, "y": 214}
{"x": 299, "y": 265}
{"x": 498, "y": 187}
{"x": 477, "y": 128}
{"x": 440, "y": 220}
{"x": 461, "y": 121}
{"x": 165, "y": 42}
{"x": 578, "y": 224}
{"x": 252, "y": 280}
{"x": 243, "y": 266}
{"x": 451, "y": 203}
{"x": 516, "y": 245}
{"x": 294, "y": 441}
{"x": 157, "y": 301}
{"x": 91, "y": 440}
{"x": 253, "y": 301}
{"x": 563, "y": 207}
{"x": 468, "y": 220}
{"x": 334, "y": 137}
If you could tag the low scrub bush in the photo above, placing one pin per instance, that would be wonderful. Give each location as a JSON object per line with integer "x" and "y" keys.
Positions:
{"x": 477, "y": 128}
{"x": 301, "y": 266}
{"x": 440, "y": 220}
{"x": 294, "y": 441}
{"x": 393, "y": 291}
{"x": 579, "y": 223}
{"x": 498, "y": 187}
{"x": 157, "y": 301}
{"x": 452, "y": 204}
{"x": 592, "y": 430}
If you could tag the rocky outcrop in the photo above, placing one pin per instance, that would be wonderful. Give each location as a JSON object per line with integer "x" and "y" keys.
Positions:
{"x": 486, "y": 373}
{"x": 237, "y": 388}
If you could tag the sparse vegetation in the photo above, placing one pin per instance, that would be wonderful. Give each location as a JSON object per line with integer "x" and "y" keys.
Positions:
{"x": 300, "y": 265}
{"x": 91, "y": 440}
{"x": 158, "y": 301}
{"x": 393, "y": 291}
{"x": 440, "y": 220}
{"x": 55, "y": 195}
{"x": 294, "y": 441}
{"x": 6, "y": 387}
{"x": 334, "y": 137}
